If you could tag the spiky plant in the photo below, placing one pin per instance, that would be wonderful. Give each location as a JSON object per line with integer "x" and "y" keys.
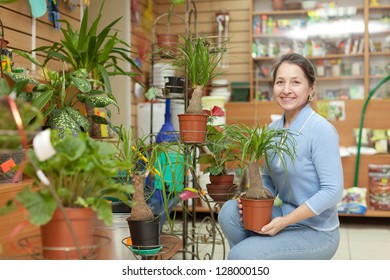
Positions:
{"x": 199, "y": 63}
{"x": 257, "y": 144}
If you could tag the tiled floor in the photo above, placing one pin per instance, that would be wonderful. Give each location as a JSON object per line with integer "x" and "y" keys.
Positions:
{"x": 360, "y": 240}
{"x": 364, "y": 240}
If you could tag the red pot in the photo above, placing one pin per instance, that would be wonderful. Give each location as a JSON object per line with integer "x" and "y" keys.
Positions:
{"x": 221, "y": 193}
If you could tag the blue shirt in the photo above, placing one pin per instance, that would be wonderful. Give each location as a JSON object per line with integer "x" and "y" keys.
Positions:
{"x": 315, "y": 177}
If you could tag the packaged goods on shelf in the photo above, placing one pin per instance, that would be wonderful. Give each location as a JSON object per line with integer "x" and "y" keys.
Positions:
{"x": 379, "y": 186}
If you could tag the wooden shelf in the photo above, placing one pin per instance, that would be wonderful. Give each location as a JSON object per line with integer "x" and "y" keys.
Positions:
{"x": 369, "y": 213}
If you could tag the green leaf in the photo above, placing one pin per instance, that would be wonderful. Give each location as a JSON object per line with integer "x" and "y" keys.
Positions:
{"x": 78, "y": 118}
{"x": 28, "y": 56}
{"x": 4, "y": 88}
{"x": 40, "y": 205}
{"x": 81, "y": 83}
{"x": 61, "y": 120}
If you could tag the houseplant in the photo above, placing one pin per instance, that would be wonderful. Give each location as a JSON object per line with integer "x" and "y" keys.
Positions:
{"x": 20, "y": 121}
{"x": 199, "y": 64}
{"x": 72, "y": 179}
{"x": 167, "y": 41}
{"x": 61, "y": 96}
{"x": 219, "y": 156}
{"x": 98, "y": 53}
{"x": 257, "y": 146}
{"x": 140, "y": 158}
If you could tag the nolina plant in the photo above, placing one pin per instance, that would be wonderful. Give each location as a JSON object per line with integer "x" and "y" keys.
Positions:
{"x": 199, "y": 63}
{"x": 261, "y": 143}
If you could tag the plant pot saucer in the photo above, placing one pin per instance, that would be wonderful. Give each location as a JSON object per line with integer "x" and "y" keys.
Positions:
{"x": 144, "y": 252}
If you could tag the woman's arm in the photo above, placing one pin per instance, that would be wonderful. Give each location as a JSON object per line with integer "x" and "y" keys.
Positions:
{"x": 279, "y": 223}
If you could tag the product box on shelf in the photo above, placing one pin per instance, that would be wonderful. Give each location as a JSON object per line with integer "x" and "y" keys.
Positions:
{"x": 379, "y": 186}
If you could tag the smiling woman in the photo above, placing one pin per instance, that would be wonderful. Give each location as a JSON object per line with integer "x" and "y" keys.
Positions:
{"x": 305, "y": 225}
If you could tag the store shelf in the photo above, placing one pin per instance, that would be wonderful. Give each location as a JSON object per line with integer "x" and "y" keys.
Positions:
{"x": 370, "y": 213}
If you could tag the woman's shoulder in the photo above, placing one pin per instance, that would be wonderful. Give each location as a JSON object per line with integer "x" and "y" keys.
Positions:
{"x": 320, "y": 123}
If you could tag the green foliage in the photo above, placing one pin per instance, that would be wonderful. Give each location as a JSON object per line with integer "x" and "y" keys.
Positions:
{"x": 198, "y": 60}
{"x": 221, "y": 150}
{"x": 31, "y": 116}
{"x": 260, "y": 143}
{"x": 59, "y": 93}
{"x": 81, "y": 175}
{"x": 99, "y": 53}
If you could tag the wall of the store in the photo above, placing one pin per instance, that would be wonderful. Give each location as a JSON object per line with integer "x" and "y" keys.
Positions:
{"x": 20, "y": 37}
{"x": 121, "y": 85}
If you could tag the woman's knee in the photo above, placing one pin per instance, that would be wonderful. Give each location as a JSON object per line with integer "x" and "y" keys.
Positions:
{"x": 228, "y": 211}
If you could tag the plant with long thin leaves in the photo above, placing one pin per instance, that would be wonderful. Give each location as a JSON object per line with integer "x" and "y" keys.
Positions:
{"x": 199, "y": 64}
{"x": 261, "y": 145}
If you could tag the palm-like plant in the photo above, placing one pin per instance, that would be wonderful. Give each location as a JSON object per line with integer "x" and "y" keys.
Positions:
{"x": 199, "y": 62}
{"x": 257, "y": 144}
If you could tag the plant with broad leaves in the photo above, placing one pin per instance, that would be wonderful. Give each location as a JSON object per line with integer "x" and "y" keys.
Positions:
{"x": 80, "y": 173}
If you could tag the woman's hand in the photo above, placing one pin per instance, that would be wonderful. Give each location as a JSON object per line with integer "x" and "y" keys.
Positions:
{"x": 274, "y": 226}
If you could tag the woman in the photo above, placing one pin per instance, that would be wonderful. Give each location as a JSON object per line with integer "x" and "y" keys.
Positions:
{"x": 306, "y": 225}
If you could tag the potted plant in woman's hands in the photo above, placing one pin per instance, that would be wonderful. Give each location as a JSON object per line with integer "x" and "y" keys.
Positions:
{"x": 73, "y": 184}
{"x": 219, "y": 157}
{"x": 258, "y": 145}
{"x": 199, "y": 62}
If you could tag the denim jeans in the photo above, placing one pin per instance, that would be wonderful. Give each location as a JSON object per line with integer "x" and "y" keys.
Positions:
{"x": 295, "y": 242}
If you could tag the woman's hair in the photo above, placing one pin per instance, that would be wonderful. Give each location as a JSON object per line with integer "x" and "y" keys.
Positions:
{"x": 299, "y": 60}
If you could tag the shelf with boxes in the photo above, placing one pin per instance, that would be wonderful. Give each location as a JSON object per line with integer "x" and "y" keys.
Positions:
{"x": 336, "y": 53}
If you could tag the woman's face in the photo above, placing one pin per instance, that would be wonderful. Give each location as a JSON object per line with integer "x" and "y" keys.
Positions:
{"x": 291, "y": 88}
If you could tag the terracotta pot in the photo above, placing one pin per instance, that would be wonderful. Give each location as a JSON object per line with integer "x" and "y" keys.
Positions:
{"x": 278, "y": 4}
{"x": 221, "y": 193}
{"x": 256, "y": 213}
{"x": 57, "y": 241}
{"x": 222, "y": 179}
{"x": 192, "y": 128}
{"x": 167, "y": 44}
{"x": 145, "y": 234}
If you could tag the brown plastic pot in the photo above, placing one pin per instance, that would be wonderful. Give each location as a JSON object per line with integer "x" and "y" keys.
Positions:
{"x": 192, "y": 128}
{"x": 222, "y": 179}
{"x": 221, "y": 193}
{"x": 256, "y": 213}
